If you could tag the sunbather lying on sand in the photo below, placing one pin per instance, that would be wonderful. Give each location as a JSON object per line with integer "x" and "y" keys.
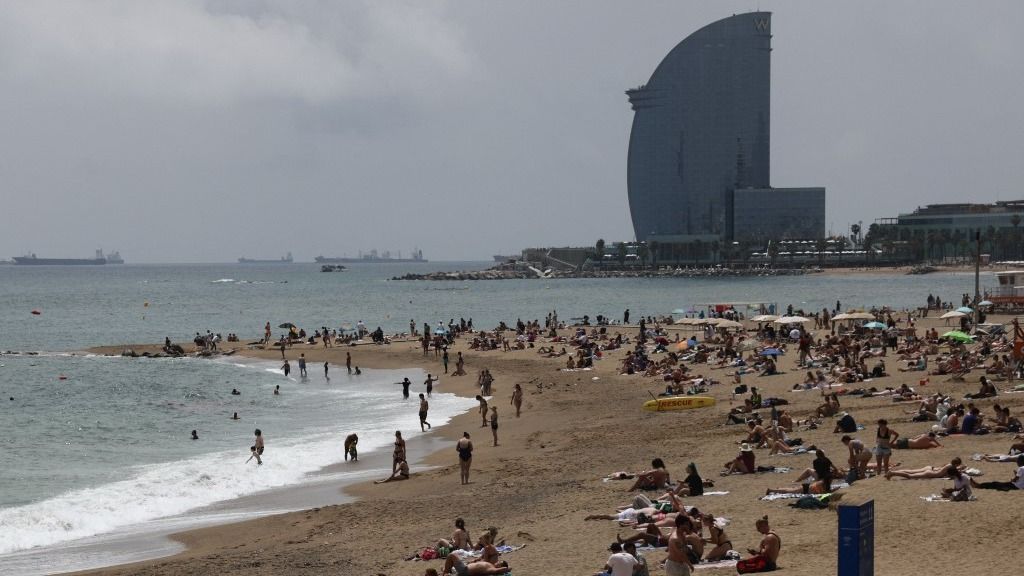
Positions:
{"x": 922, "y": 442}
{"x": 478, "y": 568}
{"x": 926, "y": 472}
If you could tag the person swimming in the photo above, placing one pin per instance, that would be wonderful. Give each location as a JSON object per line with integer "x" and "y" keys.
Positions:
{"x": 195, "y": 436}
{"x": 235, "y": 416}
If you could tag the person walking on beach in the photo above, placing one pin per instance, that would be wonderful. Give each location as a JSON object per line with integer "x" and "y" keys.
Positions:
{"x": 398, "y": 456}
{"x": 465, "y": 449}
{"x": 257, "y": 449}
{"x": 625, "y": 316}
{"x": 494, "y": 423}
{"x": 429, "y": 383}
{"x": 424, "y": 406}
{"x": 517, "y": 398}
{"x": 302, "y": 365}
{"x": 348, "y": 361}
{"x": 444, "y": 360}
{"x": 483, "y": 410}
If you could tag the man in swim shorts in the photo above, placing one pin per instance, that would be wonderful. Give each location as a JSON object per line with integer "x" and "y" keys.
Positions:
{"x": 678, "y": 562}
{"x": 478, "y": 568}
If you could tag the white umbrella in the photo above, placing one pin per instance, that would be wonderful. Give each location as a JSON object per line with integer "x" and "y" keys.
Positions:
{"x": 689, "y": 321}
{"x": 792, "y": 320}
{"x": 765, "y": 318}
{"x": 953, "y": 314}
{"x": 728, "y": 324}
{"x": 843, "y": 316}
{"x": 860, "y": 316}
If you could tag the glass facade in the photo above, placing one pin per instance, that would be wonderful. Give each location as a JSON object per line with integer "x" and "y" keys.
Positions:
{"x": 760, "y": 214}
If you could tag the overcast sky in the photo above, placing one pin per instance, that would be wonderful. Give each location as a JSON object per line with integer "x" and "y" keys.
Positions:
{"x": 195, "y": 131}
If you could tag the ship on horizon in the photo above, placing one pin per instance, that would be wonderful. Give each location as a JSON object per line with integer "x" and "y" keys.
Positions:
{"x": 32, "y": 260}
{"x": 372, "y": 258}
{"x": 283, "y": 260}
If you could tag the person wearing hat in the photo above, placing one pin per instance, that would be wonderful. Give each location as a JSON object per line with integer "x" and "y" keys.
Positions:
{"x": 620, "y": 563}
{"x": 743, "y": 463}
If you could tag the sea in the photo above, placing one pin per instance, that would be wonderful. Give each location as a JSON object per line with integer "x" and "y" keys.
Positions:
{"x": 98, "y": 460}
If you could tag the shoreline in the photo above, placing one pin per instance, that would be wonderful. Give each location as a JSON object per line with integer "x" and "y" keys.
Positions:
{"x": 546, "y": 475}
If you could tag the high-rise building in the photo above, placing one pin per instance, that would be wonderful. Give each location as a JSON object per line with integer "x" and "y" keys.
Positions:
{"x": 701, "y": 130}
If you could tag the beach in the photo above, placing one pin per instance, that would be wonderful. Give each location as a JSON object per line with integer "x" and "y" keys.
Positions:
{"x": 576, "y": 427}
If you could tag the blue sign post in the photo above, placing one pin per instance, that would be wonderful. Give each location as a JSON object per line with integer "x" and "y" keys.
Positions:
{"x": 857, "y": 539}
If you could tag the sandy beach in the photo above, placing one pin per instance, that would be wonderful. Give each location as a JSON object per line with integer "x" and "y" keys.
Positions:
{"x": 576, "y": 427}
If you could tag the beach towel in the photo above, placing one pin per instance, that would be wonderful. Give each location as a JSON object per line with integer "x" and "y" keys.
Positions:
{"x": 771, "y": 497}
{"x": 1001, "y": 458}
{"x": 940, "y": 498}
{"x": 725, "y": 563}
{"x": 716, "y": 493}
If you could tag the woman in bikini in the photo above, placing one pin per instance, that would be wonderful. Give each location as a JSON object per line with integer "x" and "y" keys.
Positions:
{"x": 465, "y": 449}
{"x": 885, "y": 439}
{"x": 398, "y": 456}
{"x": 716, "y": 538}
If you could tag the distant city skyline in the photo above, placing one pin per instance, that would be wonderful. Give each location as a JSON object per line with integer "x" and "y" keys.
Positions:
{"x": 194, "y": 131}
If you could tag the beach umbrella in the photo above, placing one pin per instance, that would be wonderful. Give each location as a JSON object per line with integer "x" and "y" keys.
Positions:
{"x": 747, "y": 345}
{"x": 965, "y": 310}
{"x": 792, "y": 320}
{"x": 986, "y": 303}
{"x": 679, "y": 311}
{"x": 688, "y": 321}
{"x": 958, "y": 336}
{"x": 440, "y": 330}
{"x": 728, "y": 324}
{"x": 286, "y": 325}
{"x": 765, "y": 318}
{"x": 875, "y": 326}
{"x": 953, "y": 314}
{"x": 860, "y": 316}
{"x": 843, "y": 316}
{"x": 770, "y": 352}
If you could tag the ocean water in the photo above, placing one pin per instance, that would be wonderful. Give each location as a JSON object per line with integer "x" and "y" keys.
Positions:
{"x": 107, "y": 447}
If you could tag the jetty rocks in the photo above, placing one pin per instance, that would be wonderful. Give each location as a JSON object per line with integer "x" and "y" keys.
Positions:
{"x": 533, "y": 273}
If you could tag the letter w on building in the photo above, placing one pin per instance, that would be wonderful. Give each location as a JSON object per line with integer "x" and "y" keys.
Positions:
{"x": 761, "y": 24}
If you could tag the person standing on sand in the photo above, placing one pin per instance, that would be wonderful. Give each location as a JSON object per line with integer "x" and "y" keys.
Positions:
{"x": 444, "y": 360}
{"x": 302, "y": 365}
{"x": 517, "y": 398}
{"x": 348, "y": 361}
{"x": 465, "y": 449}
{"x": 494, "y": 423}
{"x": 483, "y": 410}
{"x": 678, "y": 561}
{"x": 398, "y": 456}
{"x": 625, "y": 316}
{"x": 460, "y": 365}
{"x": 266, "y": 335}
{"x": 424, "y": 406}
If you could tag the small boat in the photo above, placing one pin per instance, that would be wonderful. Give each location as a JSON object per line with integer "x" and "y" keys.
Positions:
{"x": 332, "y": 268}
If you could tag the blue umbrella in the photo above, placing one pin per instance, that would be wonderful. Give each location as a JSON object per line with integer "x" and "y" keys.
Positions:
{"x": 770, "y": 352}
{"x": 964, "y": 309}
{"x": 875, "y": 326}
{"x": 440, "y": 331}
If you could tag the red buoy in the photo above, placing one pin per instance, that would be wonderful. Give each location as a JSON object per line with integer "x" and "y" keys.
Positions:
{"x": 62, "y": 377}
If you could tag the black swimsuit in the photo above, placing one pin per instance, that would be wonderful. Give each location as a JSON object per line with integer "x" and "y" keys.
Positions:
{"x": 465, "y": 453}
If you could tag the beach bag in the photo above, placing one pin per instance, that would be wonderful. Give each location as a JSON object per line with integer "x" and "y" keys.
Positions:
{"x": 641, "y": 501}
{"x": 752, "y": 565}
{"x": 428, "y": 554}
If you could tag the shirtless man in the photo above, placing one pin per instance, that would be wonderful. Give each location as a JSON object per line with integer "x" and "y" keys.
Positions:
{"x": 652, "y": 479}
{"x": 478, "y": 568}
{"x": 678, "y": 562}
{"x": 927, "y": 472}
{"x": 257, "y": 448}
{"x": 922, "y": 442}
{"x": 424, "y": 406}
{"x": 765, "y": 558}
{"x": 483, "y": 410}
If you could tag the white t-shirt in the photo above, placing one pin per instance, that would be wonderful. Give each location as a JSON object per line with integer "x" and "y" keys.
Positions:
{"x": 1019, "y": 481}
{"x": 962, "y": 482}
{"x": 622, "y": 564}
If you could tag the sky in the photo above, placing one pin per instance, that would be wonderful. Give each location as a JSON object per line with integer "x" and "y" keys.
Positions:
{"x": 202, "y": 131}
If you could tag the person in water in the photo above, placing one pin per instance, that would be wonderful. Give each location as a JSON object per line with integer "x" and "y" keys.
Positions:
{"x": 424, "y": 406}
{"x": 350, "y": 447}
{"x": 195, "y": 436}
{"x": 235, "y": 416}
{"x": 235, "y": 392}
{"x": 257, "y": 448}
{"x": 277, "y": 390}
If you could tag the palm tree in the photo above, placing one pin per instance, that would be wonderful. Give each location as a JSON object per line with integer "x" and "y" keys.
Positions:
{"x": 855, "y": 232}
{"x": 642, "y": 252}
{"x": 821, "y": 245}
{"x": 622, "y": 253}
{"x": 600, "y": 249}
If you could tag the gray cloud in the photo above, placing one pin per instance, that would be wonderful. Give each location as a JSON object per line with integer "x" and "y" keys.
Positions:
{"x": 202, "y": 131}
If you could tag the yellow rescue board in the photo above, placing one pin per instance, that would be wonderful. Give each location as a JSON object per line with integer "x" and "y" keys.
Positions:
{"x": 678, "y": 403}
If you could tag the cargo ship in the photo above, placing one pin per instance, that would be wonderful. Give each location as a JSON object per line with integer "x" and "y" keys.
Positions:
{"x": 372, "y": 258}
{"x": 33, "y": 260}
{"x": 284, "y": 260}
{"x": 115, "y": 258}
